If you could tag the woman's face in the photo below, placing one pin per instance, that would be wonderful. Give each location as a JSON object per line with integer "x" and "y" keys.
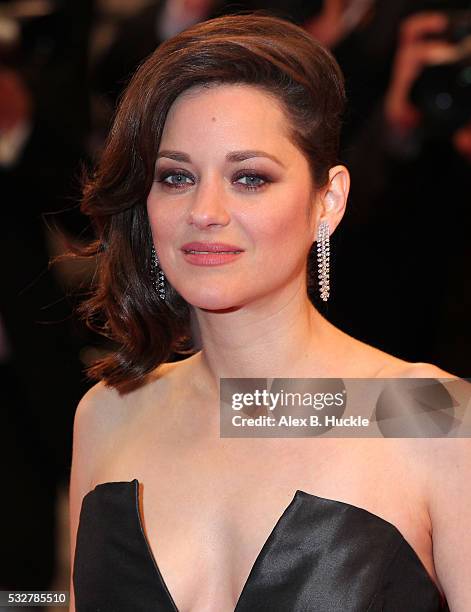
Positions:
{"x": 227, "y": 174}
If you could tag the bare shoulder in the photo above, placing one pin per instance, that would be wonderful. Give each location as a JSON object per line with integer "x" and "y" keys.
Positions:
{"x": 97, "y": 410}
{"x": 93, "y": 416}
{"x": 104, "y": 414}
{"x": 444, "y": 454}
{"x": 101, "y": 412}
{"x": 103, "y": 408}
{"x": 445, "y": 468}
{"x": 425, "y": 452}
{"x": 425, "y": 370}
{"x": 97, "y": 415}
{"x": 438, "y": 455}
{"x": 368, "y": 360}
{"x": 390, "y": 366}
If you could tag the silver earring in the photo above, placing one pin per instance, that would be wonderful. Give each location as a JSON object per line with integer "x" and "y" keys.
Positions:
{"x": 323, "y": 258}
{"x": 157, "y": 275}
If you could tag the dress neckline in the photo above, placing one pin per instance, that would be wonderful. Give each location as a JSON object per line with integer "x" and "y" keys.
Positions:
{"x": 299, "y": 493}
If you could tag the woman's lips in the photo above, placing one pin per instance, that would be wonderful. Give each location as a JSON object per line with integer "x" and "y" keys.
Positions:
{"x": 210, "y": 253}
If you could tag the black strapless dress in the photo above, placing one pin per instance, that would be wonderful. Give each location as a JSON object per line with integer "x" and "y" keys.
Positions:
{"x": 322, "y": 555}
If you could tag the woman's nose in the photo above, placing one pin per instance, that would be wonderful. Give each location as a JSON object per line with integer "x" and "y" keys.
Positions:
{"x": 207, "y": 207}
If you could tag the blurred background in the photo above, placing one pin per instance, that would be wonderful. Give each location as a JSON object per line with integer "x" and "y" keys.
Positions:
{"x": 400, "y": 260}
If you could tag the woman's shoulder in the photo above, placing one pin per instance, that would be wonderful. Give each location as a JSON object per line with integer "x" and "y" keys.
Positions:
{"x": 99, "y": 405}
{"x": 373, "y": 362}
{"x": 103, "y": 415}
{"x": 424, "y": 370}
{"x": 103, "y": 407}
{"x": 97, "y": 415}
{"x": 445, "y": 462}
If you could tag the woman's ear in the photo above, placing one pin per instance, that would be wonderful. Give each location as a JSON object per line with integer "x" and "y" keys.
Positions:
{"x": 334, "y": 197}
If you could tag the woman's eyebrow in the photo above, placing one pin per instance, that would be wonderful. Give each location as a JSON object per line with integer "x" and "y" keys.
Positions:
{"x": 232, "y": 156}
{"x": 237, "y": 156}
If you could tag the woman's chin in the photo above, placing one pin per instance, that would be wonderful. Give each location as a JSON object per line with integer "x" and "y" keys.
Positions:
{"x": 212, "y": 303}
{"x": 220, "y": 306}
{"x": 220, "y": 310}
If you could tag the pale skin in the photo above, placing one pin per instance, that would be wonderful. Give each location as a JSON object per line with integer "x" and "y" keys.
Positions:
{"x": 255, "y": 320}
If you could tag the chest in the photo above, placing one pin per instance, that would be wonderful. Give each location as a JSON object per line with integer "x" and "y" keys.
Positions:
{"x": 209, "y": 506}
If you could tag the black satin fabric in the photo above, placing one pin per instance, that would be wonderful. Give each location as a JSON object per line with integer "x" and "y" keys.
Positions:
{"x": 322, "y": 555}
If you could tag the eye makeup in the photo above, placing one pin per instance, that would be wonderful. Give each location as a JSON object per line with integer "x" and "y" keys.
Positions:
{"x": 255, "y": 181}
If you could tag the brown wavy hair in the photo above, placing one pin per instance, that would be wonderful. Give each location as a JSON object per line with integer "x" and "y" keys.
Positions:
{"x": 254, "y": 48}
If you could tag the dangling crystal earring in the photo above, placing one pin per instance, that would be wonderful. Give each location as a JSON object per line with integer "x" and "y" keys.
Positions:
{"x": 157, "y": 275}
{"x": 323, "y": 257}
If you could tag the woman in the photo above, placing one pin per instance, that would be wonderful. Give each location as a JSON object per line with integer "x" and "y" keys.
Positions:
{"x": 222, "y": 158}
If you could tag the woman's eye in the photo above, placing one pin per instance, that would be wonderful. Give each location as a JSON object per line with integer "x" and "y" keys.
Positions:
{"x": 252, "y": 181}
{"x": 178, "y": 180}
{"x": 175, "y": 180}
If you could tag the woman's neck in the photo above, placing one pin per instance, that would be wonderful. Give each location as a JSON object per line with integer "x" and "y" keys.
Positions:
{"x": 279, "y": 337}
